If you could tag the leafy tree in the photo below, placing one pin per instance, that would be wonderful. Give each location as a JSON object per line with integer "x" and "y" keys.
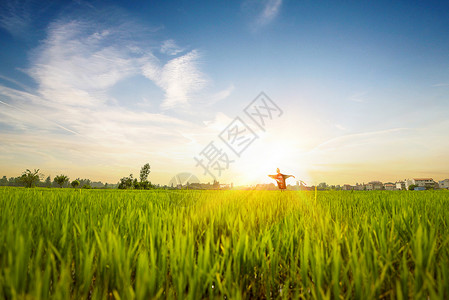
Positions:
{"x": 411, "y": 187}
{"x": 136, "y": 184}
{"x": 97, "y": 184}
{"x": 322, "y": 186}
{"x": 126, "y": 182}
{"x": 75, "y": 183}
{"x": 61, "y": 180}
{"x": 4, "y": 181}
{"x": 132, "y": 183}
{"x": 144, "y": 172}
{"x": 146, "y": 185}
{"x": 84, "y": 182}
{"x": 30, "y": 178}
{"x": 47, "y": 182}
{"x": 13, "y": 181}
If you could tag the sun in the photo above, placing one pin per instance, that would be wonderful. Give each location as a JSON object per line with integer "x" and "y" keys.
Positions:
{"x": 262, "y": 159}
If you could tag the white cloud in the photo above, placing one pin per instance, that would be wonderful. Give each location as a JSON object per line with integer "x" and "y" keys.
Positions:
{"x": 341, "y": 127}
{"x": 261, "y": 13}
{"x": 180, "y": 78}
{"x": 15, "y": 82}
{"x": 349, "y": 140}
{"x": 76, "y": 63}
{"x": 221, "y": 95}
{"x": 15, "y": 16}
{"x": 358, "y": 97}
{"x": 73, "y": 116}
{"x": 170, "y": 47}
{"x": 270, "y": 11}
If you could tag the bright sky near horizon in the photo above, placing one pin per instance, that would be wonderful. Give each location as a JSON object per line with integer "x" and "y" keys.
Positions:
{"x": 96, "y": 89}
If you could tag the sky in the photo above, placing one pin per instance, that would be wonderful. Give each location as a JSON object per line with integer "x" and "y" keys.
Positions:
{"x": 329, "y": 91}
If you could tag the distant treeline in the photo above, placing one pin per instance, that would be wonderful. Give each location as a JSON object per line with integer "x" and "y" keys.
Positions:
{"x": 49, "y": 182}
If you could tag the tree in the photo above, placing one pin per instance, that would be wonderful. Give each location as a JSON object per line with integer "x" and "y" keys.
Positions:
{"x": 144, "y": 172}
{"x": 126, "y": 182}
{"x": 136, "y": 184}
{"x": 30, "y": 178}
{"x": 4, "y": 181}
{"x": 14, "y": 181}
{"x": 75, "y": 183}
{"x": 84, "y": 182}
{"x": 61, "y": 180}
{"x": 48, "y": 182}
{"x": 322, "y": 186}
{"x": 412, "y": 187}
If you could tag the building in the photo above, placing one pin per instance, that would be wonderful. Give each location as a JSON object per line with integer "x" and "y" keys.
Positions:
{"x": 347, "y": 187}
{"x": 421, "y": 182}
{"x": 400, "y": 185}
{"x": 369, "y": 186}
{"x": 377, "y": 185}
{"x": 443, "y": 184}
{"x": 389, "y": 186}
{"x": 359, "y": 187}
{"x": 425, "y": 182}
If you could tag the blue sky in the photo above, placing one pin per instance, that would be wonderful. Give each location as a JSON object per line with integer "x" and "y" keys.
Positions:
{"x": 97, "y": 89}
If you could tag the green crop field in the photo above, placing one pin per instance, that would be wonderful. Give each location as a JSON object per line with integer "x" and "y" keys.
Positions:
{"x": 111, "y": 244}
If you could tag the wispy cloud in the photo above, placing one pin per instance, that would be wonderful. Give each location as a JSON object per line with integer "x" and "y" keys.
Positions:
{"x": 15, "y": 82}
{"x": 349, "y": 140}
{"x": 261, "y": 13}
{"x": 440, "y": 84}
{"x": 358, "y": 97}
{"x": 180, "y": 78}
{"x": 270, "y": 11}
{"x": 15, "y": 16}
{"x": 170, "y": 47}
{"x": 341, "y": 127}
{"x": 74, "y": 110}
{"x": 36, "y": 116}
{"x": 221, "y": 95}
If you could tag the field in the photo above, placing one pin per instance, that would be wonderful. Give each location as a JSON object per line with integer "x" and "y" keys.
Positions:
{"x": 111, "y": 244}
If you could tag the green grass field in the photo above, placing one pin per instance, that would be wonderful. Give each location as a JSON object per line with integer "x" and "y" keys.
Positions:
{"x": 111, "y": 244}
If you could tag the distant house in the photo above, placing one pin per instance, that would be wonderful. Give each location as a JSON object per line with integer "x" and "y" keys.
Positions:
{"x": 266, "y": 187}
{"x": 400, "y": 185}
{"x": 389, "y": 186}
{"x": 421, "y": 182}
{"x": 377, "y": 185}
{"x": 369, "y": 186}
{"x": 359, "y": 187}
{"x": 347, "y": 187}
{"x": 424, "y": 182}
{"x": 443, "y": 184}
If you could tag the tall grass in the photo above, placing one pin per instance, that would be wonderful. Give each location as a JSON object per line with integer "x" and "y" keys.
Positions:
{"x": 110, "y": 244}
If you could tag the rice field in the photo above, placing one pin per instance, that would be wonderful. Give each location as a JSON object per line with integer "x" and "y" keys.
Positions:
{"x": 115, "y": 244}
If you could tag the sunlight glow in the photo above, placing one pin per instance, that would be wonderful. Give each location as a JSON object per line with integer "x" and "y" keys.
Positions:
{"x": 263, "y": 159}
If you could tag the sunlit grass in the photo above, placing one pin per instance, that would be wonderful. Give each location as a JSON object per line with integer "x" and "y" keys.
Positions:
{"x": 82, "y": 244}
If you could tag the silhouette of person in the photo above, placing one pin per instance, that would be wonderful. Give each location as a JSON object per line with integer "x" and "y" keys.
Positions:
{"x": 280, "y": 179}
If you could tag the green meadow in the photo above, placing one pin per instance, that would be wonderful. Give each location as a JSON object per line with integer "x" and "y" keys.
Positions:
{"x": 129, "y": 244}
